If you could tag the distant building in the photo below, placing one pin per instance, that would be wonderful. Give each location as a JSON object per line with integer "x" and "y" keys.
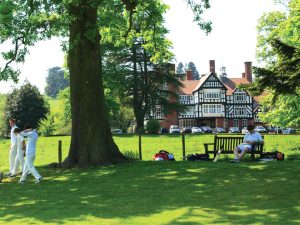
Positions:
{"x": 214, "y": 101}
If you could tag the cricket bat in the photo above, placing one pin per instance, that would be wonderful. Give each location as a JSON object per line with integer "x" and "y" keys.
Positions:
{"x": 218, "y": 154}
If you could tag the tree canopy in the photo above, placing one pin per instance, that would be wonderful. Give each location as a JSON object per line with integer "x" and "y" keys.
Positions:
{"x": 279, "y": 50}
{"x": 55, "y": 81}
{"x": 24, "y": 22}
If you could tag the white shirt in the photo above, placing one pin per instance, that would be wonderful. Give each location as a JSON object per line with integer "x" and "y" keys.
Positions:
{"x": 13, "y": 137}
{"x": 253, "y": 137}
{"x": 31, "y": 143}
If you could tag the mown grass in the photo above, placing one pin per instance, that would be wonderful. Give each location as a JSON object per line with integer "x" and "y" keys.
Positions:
{"x": 147, "y": 192}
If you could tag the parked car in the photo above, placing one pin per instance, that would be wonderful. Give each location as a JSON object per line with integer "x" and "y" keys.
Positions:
{"x": 164, "y": 130}
{"x": 116, "y": 131}
{"x": 206, "y": 129}
{"x": 187, "y": 130}
{"x": 233, "y": 130}
{"x": 196, "y": 130}
{"x": 260, "y": 129}
{"x": 289, "y": 131}
{"x": 275, "y": 130}
{"x": 174, "y": 129}
{"x": 219, "y": 130}
{"x": 244, "y": 130}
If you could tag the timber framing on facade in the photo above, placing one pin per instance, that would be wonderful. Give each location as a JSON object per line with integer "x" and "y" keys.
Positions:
{"x": 214, "y": 100}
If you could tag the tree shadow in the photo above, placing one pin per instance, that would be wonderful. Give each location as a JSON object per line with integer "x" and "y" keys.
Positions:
{"x": 201, "y": 191}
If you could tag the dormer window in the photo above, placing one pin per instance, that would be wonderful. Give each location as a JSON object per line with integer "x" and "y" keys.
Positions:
{"x": 240, "y": 97}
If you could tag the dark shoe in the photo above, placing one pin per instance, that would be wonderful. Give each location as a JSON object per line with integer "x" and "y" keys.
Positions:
{"x": 235, "y": 161}
{"x": 12, "y": 176}
{"x": 39, "y": 180}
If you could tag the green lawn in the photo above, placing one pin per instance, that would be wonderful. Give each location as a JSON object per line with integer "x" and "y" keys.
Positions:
{"x": 154, "y": 193}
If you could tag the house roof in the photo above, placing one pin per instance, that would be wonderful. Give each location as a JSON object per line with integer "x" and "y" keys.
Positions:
{"x": 231, "y": 83}
{"x": 189, "y": 86}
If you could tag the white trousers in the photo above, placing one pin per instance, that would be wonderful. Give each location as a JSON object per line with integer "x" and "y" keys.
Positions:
{"x": 12, "y": 158}
{"x": 28, "y": 167}
{"x": 18, "y": 161}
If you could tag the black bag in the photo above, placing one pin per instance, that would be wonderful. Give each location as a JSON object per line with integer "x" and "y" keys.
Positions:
{"x": 197, "y": 157}
{"x": 273, "y": 155}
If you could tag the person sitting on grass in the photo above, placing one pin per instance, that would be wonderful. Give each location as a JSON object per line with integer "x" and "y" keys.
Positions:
{"x": 251, "y": 137}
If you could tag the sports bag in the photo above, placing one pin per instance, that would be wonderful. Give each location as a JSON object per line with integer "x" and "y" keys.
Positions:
{"x": 197, "y": 157}
{"x": 273, "y": 155}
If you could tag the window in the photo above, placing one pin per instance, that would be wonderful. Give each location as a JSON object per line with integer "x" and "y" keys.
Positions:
{"x": 236, "y": 123}
{"x": 240, "y": 110}
{"x": 184, "y": 99}
{"x": 245, "y": 122}
{"x": 211, "y": 95}
{"x": 212, "y": 109}
{"x": 240, "y": 97}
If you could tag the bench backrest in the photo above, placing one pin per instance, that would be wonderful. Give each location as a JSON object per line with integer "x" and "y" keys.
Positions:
{"x": 229, "y": 143}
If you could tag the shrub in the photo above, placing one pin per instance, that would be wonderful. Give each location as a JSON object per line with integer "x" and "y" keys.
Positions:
{"x": 153, "y": 126}
{"x": 26, "y": 105}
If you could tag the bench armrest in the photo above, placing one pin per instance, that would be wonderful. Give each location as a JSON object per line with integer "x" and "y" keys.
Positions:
{"x": 206, "y": 147}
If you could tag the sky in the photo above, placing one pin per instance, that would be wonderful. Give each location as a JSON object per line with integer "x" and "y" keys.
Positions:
{"x": 231, "y": 42}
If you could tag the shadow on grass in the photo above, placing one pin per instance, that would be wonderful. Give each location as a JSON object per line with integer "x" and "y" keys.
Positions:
{"x": 194, "y": 192}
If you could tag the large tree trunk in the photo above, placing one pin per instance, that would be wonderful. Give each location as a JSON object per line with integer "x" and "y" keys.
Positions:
{"x": 91, "y": 141}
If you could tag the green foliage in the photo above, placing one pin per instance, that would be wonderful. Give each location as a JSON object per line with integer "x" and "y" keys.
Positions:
{"x": 64, "y": 98}
{"x": 153, "y": 126}
{"x": 55, "y": 81}
{"x": 26, "y": 105}
{"x": 283, "y": 77}
{"x": 282, "y": 113}
{"x": 47, "y": 126}
{"x": 3, "y": 122}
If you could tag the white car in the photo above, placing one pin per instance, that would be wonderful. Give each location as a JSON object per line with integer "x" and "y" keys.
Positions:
{"x": 244, "y": 130}
{"x": 260, "y": 129}
{"x": 174, "y": 129}
{"x": 196, "y": 130}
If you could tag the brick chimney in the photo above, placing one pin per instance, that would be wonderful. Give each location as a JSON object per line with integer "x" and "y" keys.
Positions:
{"x": 212, "y": 66}
{"x": 189, "y": 75}
{"x": 248, "y": 71}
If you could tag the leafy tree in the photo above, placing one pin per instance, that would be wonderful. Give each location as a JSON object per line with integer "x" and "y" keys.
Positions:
{"x": 191, "y": 66}
{"x": 26, "y": 22}
{"x": 26, "y": 105}
{"x": 284, "y": 112}
{"x": 278, "y": 47}
{"x": 55, "y": 81}
{"x": 281, "y": 78}
{"x": 138, "y": 63}
{"x": 180, "y": 68}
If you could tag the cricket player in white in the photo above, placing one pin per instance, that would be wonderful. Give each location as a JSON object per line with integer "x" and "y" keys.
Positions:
{"x": 30, "y": 155}
{"x": 20, "y": 153}
{"x": 13, "y": 147}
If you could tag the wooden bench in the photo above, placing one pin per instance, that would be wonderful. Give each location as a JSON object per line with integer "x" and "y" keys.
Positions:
{"x": 229, "y": 143}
